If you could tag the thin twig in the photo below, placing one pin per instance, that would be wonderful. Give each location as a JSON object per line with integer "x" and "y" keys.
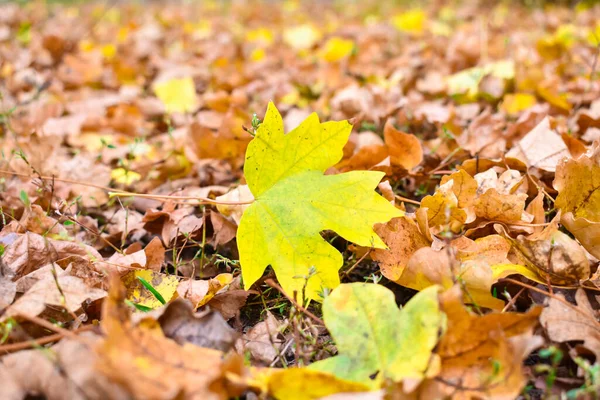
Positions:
{"x": 404, "y": 199}
{"x": 13, "y": 347}
{"x": 275, "y": 286}
{"x": 124, "y": 193}
{"x": 357, "y": 262}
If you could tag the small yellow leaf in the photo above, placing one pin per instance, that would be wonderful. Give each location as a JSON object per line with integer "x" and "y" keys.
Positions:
{"x": 166, "y": 285}
{"x": 412, "y": 21}
{"x": 306, "y": 384}
{"x": 124, "y": 176}
{"x": 517, "y": 102}
{"x": 336, "y": 49}
{"x": 178, "y": 95}
{"x": 260, "y": 35}
{"x": 257, "y": 54}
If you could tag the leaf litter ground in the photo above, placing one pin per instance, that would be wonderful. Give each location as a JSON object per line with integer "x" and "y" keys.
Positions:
{"x": 186, "y": 211}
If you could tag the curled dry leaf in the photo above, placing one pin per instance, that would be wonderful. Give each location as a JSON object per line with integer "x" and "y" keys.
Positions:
{"x": 585, "y": 231}
{"x": 240, "y": 194}
{"x": 552, "y": 254}
{"x": 200, "y": 292}
{"x": 404, "y": 149}
{"x": 30, "y": 251}
{"x": 151, "y": 257}
{"x": 577, "y": 184}
{"x": 206, "y": 329}
{"x": 63, "y": 291}
{"x": 264, "y": 340}
{"x": 403, "y": 238}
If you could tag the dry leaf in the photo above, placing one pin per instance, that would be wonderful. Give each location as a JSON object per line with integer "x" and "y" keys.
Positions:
{"x": 566, "y": 323}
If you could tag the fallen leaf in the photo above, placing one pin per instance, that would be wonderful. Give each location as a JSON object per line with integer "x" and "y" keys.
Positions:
{"x": 270, "y": 232}
{"x": 138, "y": 293}
{"x": 206, "y": 329}
{"x": 403, "y": 238}
{"x": 565, "y": 323}
{"x": 177, "y": 94}
{"x": 264, "y": 340}
{"x": 481, "y": 356}
{"x": 404, "y": 149}
{"x": 147, "y": 364}
{"x": 397, "y": 347}
{"x": 63, "y": 291}
{"x": 541, "y": 148}
{"x": 307, "y": 384}
{"x": 577, "y": 184}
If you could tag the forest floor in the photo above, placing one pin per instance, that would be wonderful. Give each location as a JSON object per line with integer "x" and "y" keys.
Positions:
{"x": 161, "y": 237}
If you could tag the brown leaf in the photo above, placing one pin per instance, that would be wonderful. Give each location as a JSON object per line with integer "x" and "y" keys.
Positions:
{"x": 541, "y": 148}
{"x": 31, "y": 251}
{"x": 205, "y": 329}
{"x": 481, "y": 356}
{"x": 577, "y": 184}
{"x": 224, "y": 230}
{"x": 403, "y": 238}
{"x": 66, "y": 371}
{"x": 263, "y": 340}
{"x": 565, "y": 323}
{"x": 66, "y": 292}
{"x": 405, "y": 149}
{"x": 229, "y": 302}
{"x": 152, "y": 257}
{"x": 585, "y": 231}
{"x": 554, "y": 254}
{"x": 148, "y": 365}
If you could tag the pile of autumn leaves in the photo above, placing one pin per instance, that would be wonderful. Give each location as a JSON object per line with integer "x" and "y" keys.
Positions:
{"x": 521, "y": 203}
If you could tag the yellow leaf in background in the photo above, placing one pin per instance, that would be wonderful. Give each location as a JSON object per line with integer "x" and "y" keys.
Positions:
{"x": 336, "y": 49}
{"x": 257, "y": 54}
{"x": 593, "y": 36}
{"x": 517, "y": 102}
{"x": 301, "y": 37}
{"x": 412, "y": 21}
{"x": 178, "y": 94}
{"x": 108, "y": 51}
{"x": 557, "y": 100}
{"x": 464, "y": 85}
{"x": 260, "y": 35}
{"x": 137, "y": 293}
{"x": 123, "y": 176}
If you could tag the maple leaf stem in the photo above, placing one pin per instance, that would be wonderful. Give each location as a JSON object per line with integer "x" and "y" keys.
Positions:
{"x": 201, "y": 200}
{"x": 123, "y": 193}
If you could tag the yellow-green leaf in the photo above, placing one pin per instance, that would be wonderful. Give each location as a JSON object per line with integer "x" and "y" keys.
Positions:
{"x": 373, "y": 335}
{"x": 166, "y": 285}
{"x": 178, "y": 95}
{"x": 294, "y": 202}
